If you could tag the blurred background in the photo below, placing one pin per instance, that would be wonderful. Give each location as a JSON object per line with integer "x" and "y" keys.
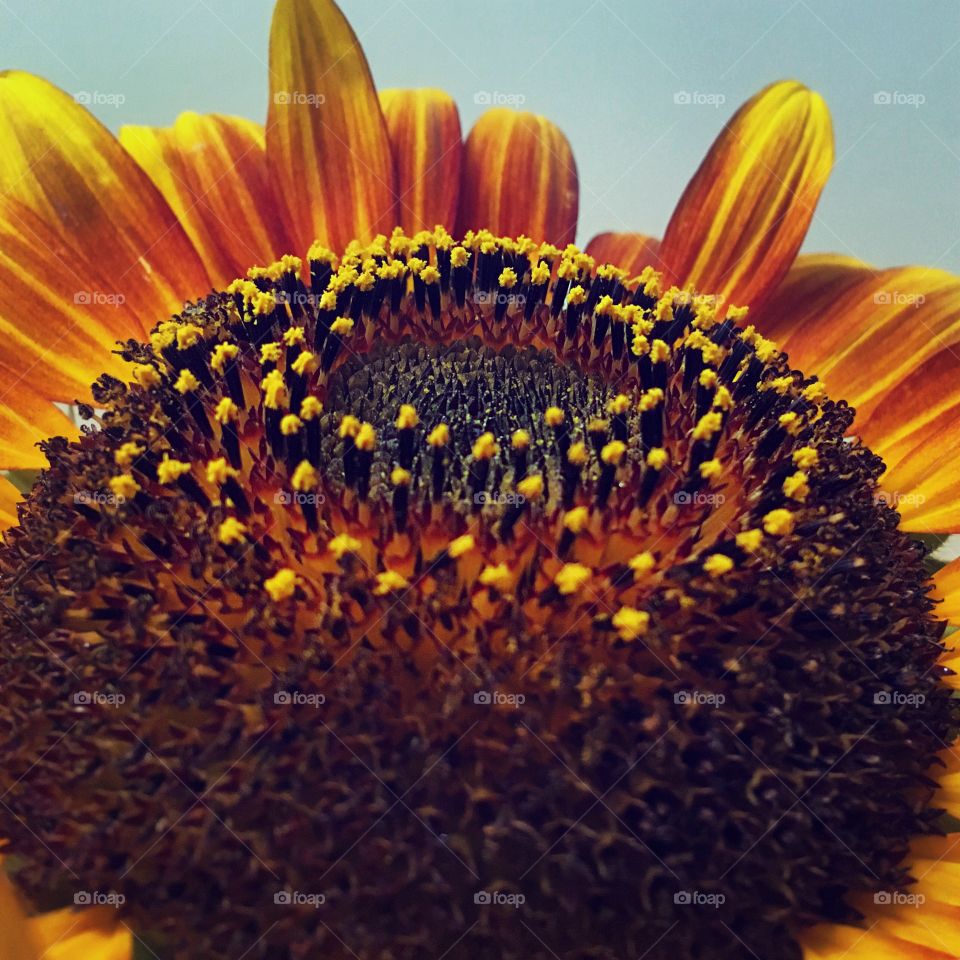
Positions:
{"x": 641, "y": 88}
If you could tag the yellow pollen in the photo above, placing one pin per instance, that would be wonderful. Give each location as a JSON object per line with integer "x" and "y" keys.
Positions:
{"x": 274, "y": 391}
{"x": 571, "y": 577}
{"x": 659, "y": 351}
{"x": 343, "y": 544}
{"x": 657, "y": 458}
{"x": 127, "y": 453}
{"x": 294, "y": 337}
{"x": 328, "y": 300}
{"x": 578, "y": 454}
{"x": 390, "y": 581}
{"x": 186, "y": 382}
{"x": 717, "y": 564}
{"x": 507, "y": 278}
{"x": 707, "y": 426}
{"x": 791, "y": 422}
{"x": 310, "y": 408}
{"x": 461, "y": 545}
{"x": 146, "y": 375}
{"x": 612, "y": 453}
{"x": 188, "y": 335}
{"x": 270, "y": 353}
{"x": 219, "y": 471}
{"x": 349, "y": 426}
{"x": 814, "y": 391}
{"x": 282, "y": 585}
{"x": 723, "y": 399}
{"x": 407, "y": 418}
{"x": 806, "y": 457}
{"x": 520, "y": 440}
{"x": 737, "y": 313}
{"x": 531, "y": 487}
{"x": 540, "y": 274}
{"x": 779, "y": 522}
{"x": 366, "y": 438}
{"x": 225, "y": 411}
{"x": 222, "y": 354}
{"x": 305, "y": 363}
{"x": 750, "y": 540}
{"x": 631, "y": 623}
{"x": 619, "y": 404}
{"x": 170, "y": 470}
{"x": 575, "y": 520}
{"x": 124, "y": 486}
{"x": 400, "y": 477}
{"x": 651, "y": 399}
{"x": 642, "y": 564}
{"x": 577, "y": 295}
{"x": 640, "y": 346}
{"x": 290, "y": 425}
{"x": 342, "y": 326}
{"x": 710, "y": 469}
{"x": 485, "y": 447}
{"x": 231, "y": 531}
{"x": 264, "y": 304}
{"x": 553, "y": 416}
{"x": 459, "y": 256}
{"x": 320, "y": 254}
{"x": 797, "y": 486}
{"x": 439, "y": 436}
{"x": 708, "y": 379}
{"x": 497, "y": 577}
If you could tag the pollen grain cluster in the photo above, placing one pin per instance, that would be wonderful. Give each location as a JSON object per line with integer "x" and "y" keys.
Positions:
{"x": 468, "y": 599}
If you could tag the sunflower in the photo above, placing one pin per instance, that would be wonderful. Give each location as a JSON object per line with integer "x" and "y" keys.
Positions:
{"x": 416, "y": 589}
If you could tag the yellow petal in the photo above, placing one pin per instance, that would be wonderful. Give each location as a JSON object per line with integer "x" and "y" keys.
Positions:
{"x": 946, "y": 587}
{"x": 26, "y": 418}
{"x": 519, "y": 177}
{"x": 57, "y": 328}
{"x": 212, "y": 170}
{"x": 424, "y": 129}
{"x": 839, "y": 942}
{"x": 61, "y": 163}
{"x": 18, "y": 941}
{"x": 94, "y": 934}
{"x": 10, "y": 496}
{"x": 327, "y": 145}
{"x": 628, "y": 251}
{"x": 742, "y": 218}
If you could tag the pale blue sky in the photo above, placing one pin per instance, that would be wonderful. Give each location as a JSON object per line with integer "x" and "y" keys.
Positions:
{"x": 607, "y": 72}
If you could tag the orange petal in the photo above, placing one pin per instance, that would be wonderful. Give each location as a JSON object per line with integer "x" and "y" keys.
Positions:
{"x": 629, "y": 251}
{"x": 424, "y": 128}
{"x": 10, "y": 496}
{"x": 946, "y": 587}
{"x": 61, "y": 163}
{"x": 93, "y": 934}
{"x": 519, "y": 177}
{"x": 18, "y": 941}
{"x": 742, "y": 218}
{"x": 212, "y": 170}
{"x": 839, "y": 942}
{"x": 26, "y": 418}
{"x": 327, "y": 144}
{"x": 58, "y": 323}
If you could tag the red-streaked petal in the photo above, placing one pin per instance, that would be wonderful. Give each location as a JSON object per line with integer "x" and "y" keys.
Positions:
{"x": 424, "y": 129}
{"x": 743, "y": 217}
{"x": 212, "y": 170}
{"x": 327, "y": 145}
{"x": 519, "y": 178}
{"x": 629, "y": 251}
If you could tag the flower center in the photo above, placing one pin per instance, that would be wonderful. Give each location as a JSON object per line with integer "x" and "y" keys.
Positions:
{"x": 470, "y": 598}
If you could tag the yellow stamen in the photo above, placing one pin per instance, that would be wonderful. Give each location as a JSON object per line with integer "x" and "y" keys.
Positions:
{"x": 282, "y": 585}
{"x": 571, "y": 577}
{"x": 631, "y": 623}
{"x": 231, "y": 531}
